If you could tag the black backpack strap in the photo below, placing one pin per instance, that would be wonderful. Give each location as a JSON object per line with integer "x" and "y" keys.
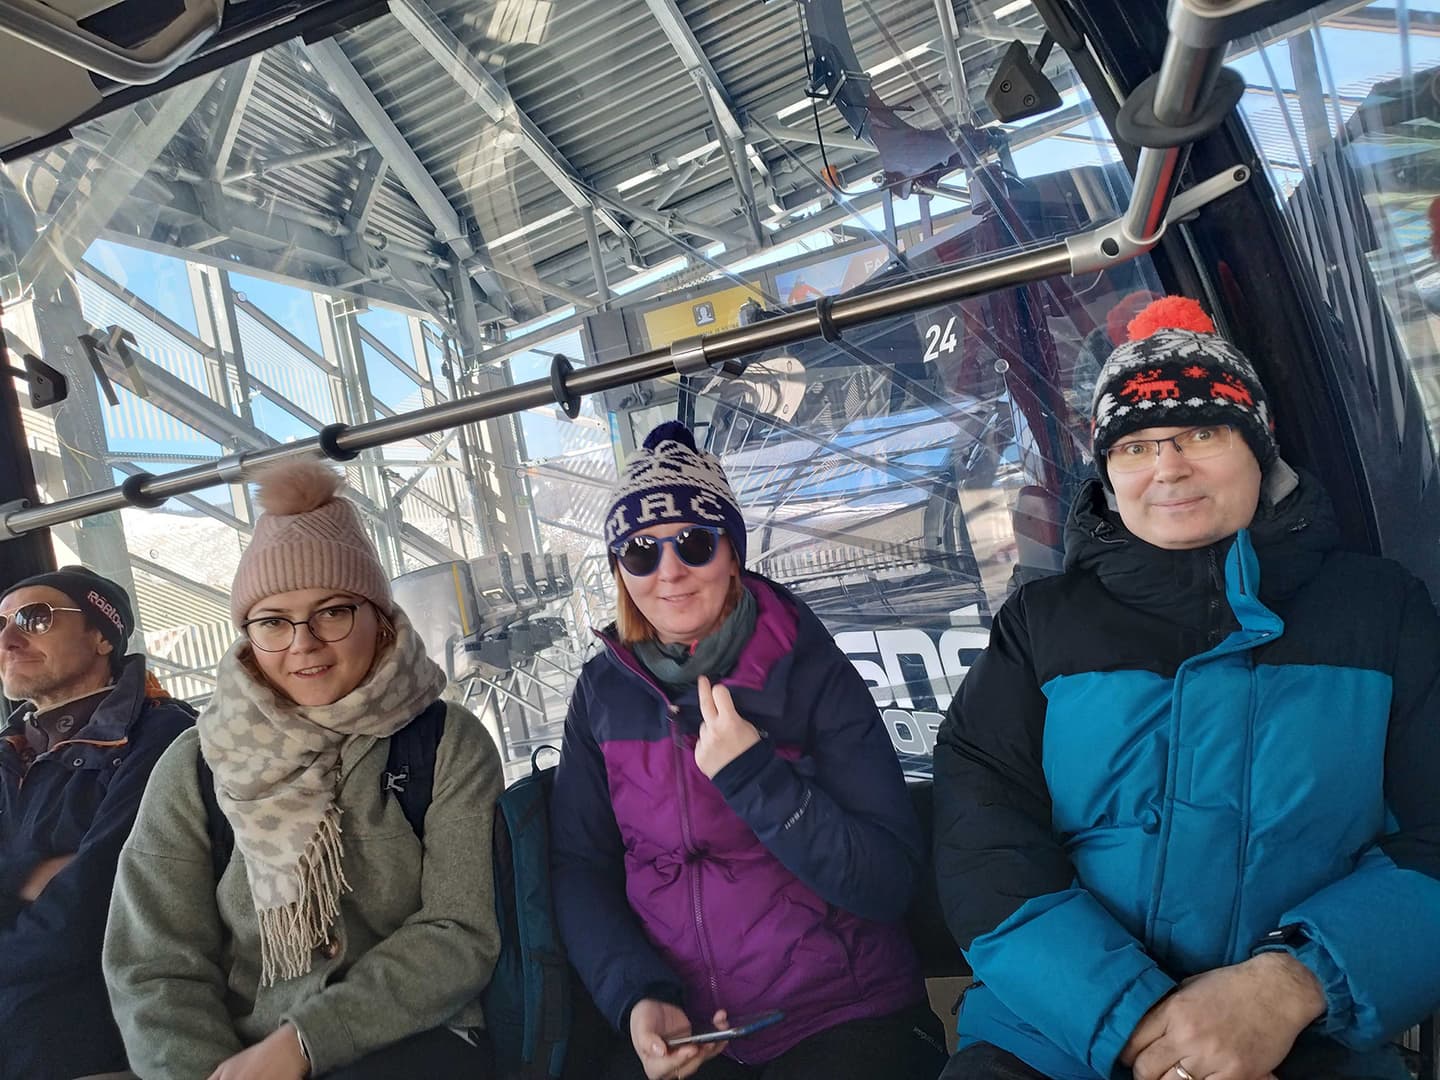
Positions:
{"x": 217, "y": 825}
{"x": 410, "y": 768}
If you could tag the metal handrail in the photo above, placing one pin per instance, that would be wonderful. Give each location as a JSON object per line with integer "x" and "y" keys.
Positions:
{"x": 52, "y": 30}
{"x": 1185, "y": 71}
{"x": 1086, "y": 251}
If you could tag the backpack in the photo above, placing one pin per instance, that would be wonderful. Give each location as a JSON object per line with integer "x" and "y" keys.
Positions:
{"x": 528, "y": 1011}
{"x": 409, "y": 776}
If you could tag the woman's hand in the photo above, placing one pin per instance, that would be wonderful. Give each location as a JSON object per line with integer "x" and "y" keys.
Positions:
{"x": 275, "y": 1057}
{"x": 724, "y": 733}
{"x": 651, "y": 1023}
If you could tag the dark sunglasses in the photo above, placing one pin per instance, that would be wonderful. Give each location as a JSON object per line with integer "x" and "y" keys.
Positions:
{"x": 696, "y": 545}
{"x": 35, "y": 618}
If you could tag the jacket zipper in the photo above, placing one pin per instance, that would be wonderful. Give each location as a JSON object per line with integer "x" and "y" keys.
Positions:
{"x": 1217, "y": 591}
{"x": 1244, "y": 853}
{"x": 693, "y": 874}
{"x": 1218, "y": 579}
{"x": 686, "y": 835}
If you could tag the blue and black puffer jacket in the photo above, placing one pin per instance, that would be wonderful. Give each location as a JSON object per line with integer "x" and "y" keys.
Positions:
{"x": 1164, "y": 755}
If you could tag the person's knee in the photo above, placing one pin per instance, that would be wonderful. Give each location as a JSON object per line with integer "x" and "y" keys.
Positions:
{"x": 982, "y": 1061}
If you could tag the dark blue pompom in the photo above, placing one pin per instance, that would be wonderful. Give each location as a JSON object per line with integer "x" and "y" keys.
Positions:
{"x": 670, "y": 431}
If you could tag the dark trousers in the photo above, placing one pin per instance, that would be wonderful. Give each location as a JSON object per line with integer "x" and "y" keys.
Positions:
{"x": 981, "y": 1061}
{"x": 438, "y": 1054}
{"x": 1317, "y": 1059}
{"x": 907, "y": 1045}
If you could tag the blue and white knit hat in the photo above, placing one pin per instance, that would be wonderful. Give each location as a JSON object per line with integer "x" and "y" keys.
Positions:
{"x": 669, "y": 481}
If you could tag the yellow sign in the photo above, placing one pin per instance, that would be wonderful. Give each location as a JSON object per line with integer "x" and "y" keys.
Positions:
{"x": 707, "y": 314}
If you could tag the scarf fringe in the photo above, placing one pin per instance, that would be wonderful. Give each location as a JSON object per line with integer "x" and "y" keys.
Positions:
{"x": 289, "y": 934}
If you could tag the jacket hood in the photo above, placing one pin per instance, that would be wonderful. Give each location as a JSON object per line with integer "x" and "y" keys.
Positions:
{"x": 1291, "y": 539}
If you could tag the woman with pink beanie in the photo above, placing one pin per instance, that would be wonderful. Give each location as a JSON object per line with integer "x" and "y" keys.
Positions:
{"x": 338, "y": 939}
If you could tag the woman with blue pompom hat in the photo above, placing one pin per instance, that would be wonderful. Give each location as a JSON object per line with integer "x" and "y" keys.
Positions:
{"x": 731, "y": 834}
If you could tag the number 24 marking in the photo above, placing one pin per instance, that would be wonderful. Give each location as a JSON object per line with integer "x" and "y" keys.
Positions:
{"x": 937, "y": 342}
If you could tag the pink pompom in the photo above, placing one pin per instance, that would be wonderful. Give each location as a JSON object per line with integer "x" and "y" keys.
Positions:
{"x": 296, "y": 487}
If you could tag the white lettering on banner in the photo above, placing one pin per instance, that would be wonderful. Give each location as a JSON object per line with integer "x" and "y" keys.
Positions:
{"x": 851, "y": 642}
{"x": 897, "y": 643}
{"x": 707, "y": 507}
{"x": 658, "y": 500}
{"x": 912, "y": 732}
{"x": 959, "y": 646}
{"x": 946, "y": 663}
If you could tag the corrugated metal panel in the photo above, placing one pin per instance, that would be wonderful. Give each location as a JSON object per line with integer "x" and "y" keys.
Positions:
{"x": 602, "y": 81}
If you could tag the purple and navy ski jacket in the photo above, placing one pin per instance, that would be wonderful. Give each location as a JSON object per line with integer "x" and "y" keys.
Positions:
{"x": 778, "y": 885}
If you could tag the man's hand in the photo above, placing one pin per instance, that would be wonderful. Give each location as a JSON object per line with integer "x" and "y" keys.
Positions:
{"x": 651, "y": 1023}
{"x": 275, "y": 1057}
{"x": 41, "y": 876}
{"x": 724, "y": 734}
{"x": 1233, "y": 1023}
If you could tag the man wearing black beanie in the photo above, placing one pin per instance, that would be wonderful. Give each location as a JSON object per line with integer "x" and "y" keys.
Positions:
{"x": 74, "y": 761}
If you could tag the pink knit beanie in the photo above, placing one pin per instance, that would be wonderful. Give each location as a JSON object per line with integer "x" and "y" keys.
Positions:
{"x": 308, "y": 538}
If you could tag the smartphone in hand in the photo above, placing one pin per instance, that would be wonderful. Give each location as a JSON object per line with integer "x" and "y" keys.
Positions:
{"x": 735, "y": 1031}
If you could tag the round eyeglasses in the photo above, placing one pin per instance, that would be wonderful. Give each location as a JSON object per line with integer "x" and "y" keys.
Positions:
{"x": 275, "y": 633}
{"x": 34, "y": 619}
{"x": 696, "y": 545}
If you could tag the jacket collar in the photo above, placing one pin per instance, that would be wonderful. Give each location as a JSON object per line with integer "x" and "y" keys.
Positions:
{"x": 60, "y": 722}
{"x": 760, "y": 672}
{"x": 1290, "y": 539}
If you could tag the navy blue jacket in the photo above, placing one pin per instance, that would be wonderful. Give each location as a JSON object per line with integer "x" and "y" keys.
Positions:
{"x": 1164, "y": 755}
{"x": 79, "y": 798}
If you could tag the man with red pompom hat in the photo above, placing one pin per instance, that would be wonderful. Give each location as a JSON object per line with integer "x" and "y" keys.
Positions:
{"x": 1186, "y": 824}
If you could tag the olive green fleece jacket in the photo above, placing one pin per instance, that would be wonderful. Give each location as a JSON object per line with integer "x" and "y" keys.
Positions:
{"x": 417, "y": 938}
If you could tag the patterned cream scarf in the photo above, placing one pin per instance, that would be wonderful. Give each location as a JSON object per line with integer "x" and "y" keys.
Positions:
{"x": 277, "y": 768}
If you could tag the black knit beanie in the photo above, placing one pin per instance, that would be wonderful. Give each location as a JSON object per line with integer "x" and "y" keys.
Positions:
{"x": 104, "y": 603}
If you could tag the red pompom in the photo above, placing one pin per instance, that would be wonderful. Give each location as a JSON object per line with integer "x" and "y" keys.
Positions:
{"x": 1170, "y": 313}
